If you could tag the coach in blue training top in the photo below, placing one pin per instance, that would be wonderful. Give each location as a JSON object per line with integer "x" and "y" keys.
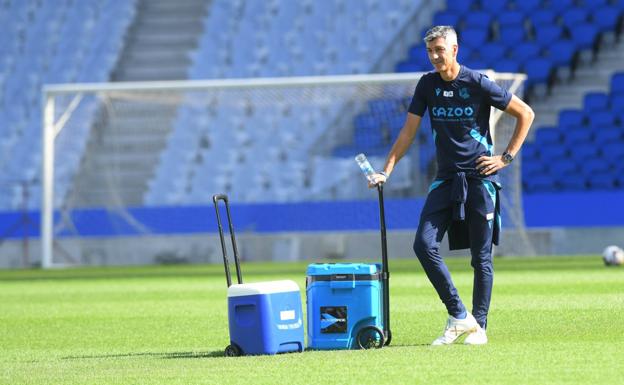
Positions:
{"x": 463, "y": 199}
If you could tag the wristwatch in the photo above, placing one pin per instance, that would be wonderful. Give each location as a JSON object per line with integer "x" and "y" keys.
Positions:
{"x": 507, "y": 157}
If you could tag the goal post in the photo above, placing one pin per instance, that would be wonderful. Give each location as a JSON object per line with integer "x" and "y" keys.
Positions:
{"x": 111, "y": 150}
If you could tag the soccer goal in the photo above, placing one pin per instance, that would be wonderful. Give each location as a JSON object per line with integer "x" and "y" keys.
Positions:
{"x": 115, "y": 154}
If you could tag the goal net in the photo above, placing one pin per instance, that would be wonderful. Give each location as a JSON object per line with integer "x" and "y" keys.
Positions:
{"x": 119, "y": 158}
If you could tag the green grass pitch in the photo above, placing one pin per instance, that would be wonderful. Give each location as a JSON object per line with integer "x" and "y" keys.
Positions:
{"x": 554, "y": 320}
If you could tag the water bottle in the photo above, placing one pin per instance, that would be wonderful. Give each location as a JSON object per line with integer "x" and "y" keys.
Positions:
{"x": 365, "y": 165}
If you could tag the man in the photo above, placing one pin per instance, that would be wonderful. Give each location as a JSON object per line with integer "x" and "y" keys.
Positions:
{"x": 464, "y": 197}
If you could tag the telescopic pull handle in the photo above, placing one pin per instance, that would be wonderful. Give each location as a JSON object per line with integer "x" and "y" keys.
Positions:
{"x": 226, "y": 264}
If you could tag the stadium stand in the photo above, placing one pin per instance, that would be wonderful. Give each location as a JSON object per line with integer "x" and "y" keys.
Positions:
{"x": 50, "y": 42}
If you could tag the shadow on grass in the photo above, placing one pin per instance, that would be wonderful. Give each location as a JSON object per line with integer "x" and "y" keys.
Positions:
{"x": 164, "y": 356}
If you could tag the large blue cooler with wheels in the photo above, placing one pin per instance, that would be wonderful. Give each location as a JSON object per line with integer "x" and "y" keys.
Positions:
{"x": 344, "y": 305}
{"x": 265, "y": 317}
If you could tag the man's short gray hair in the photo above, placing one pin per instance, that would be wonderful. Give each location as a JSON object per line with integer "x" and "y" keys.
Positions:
{"x": 444, "y": 31}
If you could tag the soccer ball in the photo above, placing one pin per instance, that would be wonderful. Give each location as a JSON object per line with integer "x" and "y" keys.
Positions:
{"x": 613, "y": 256}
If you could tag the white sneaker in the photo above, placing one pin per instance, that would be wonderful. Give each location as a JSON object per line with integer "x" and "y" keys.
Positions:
{"x": 477, "y": 338}
{"x": 455, "y": 328}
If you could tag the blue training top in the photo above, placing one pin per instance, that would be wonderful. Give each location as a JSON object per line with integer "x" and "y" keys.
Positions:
{"x": 460, "y": 118}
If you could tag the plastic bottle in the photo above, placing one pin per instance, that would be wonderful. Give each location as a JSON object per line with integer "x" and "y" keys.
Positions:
{"x": 365, "y": 165}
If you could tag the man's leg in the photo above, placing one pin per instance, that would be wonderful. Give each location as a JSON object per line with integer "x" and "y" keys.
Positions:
{"x": 434, "y": 221}
{"x": 481, "y": 222}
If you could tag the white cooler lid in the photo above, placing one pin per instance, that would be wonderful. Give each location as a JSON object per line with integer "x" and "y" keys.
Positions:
{"x": 268, "y": 287}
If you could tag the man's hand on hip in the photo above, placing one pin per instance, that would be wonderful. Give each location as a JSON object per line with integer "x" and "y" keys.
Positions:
{"x": 487, "y": 165}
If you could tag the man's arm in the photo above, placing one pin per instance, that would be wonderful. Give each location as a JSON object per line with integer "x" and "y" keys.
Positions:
{"x": 524, "y": 118}
{"x": 399, "y": 148}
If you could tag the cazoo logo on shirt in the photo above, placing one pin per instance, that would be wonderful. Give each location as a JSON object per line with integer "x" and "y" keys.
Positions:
{"x": 452, "y": 112}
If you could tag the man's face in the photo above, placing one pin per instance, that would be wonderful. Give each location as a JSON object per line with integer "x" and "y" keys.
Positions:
{"x": 441, "y": 54}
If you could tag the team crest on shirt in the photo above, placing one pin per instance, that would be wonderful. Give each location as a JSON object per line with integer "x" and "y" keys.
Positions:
{"x": 463, "y": 93}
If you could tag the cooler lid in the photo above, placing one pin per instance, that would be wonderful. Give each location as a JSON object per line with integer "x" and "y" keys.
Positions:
{"x": 343, "y": 268}
{"x": 268, "y": 287}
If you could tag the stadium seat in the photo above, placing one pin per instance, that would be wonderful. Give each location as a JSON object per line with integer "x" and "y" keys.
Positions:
{"x": 574, "y": 16}
{"x": 595, "y": 166}
{"x": 492, "y": 52}
{"x": 510, "y": 19}
{"x": 613, "y": 152}
{"x": 571, "y": 118}
{"x": 554, "y": 151}
{"x": 601, "y": 119}
{"x": 511, "y": 35}
{"x": 477, "y": 19}
{"x": 524, "y": 51}
{"x": 561, "y": 53}
{"x": 608, "y": 135}
{"x": 527, "y": 6}
{"x": 538, "y": 71}
{"x": 602, "y": 181}
{"x": 474, "y": 37}
{"x": 573, "y": 182}
{"x": 547, "y": 136}
{"x": 563, "y": 167}
{"x": 542, "y": 17}
{"x": 584, "y": 35}
{"x": 617, "y": 83}
{"x": 547, "y": 34}
{"x": 506, "y": 65}
{"x": 539, "y": 183}
{"x": 616, "y": 103}
{"x": 595, "y": 101}
{"x": 583, "y": 152}
{"x": 447, "y": 17}
{"x": 577, "y": 135}
{"x": 560, "y": 6}
{"x": 606, "y": 17}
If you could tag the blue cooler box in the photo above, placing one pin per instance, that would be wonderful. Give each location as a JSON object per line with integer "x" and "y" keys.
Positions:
{"x": 342, "y": 298}
{"x": 266, "y": 317}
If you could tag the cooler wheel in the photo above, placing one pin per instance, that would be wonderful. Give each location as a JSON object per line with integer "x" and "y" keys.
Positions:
{"x": 370, "y": 337}
{"x": 233, "y": 351}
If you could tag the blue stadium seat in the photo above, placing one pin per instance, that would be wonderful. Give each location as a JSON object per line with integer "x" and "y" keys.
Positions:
{"x": 563, "y": 167}
{"x": 606, "y": 18}
{"x": 606, "y": 135}
{"x": 601, "y": 119}
{"x": 559, "y": 6}
{"x": 562, "y": 52}
{"x": 511, "y": 35}
{"x": 554, "y": 151}
{"x": 530, "y": 151}
{"x": 476, "y": 64}
{"x": 418, "y": 54}
{"x": 532, "y": 167}
{"x": 547, "y": 34}
{"x": 384, "y": 106}
{"x": 447, "y": 17}
{"x": 524, "y": 51}
{"x": 602, "y": 181}
{"x": 577, "y": 135}
{"x": 538, "y": 70}
{"x": 510, "y": 19}
{"x": 574, "y": 182}
{"x": 584, "y": 35}
{"x": 539, "y": 183}
{"x": 595, "y": 101}
{"x": 583, "y": 152}
{"x": 506, "y": 65}
{"x": 613, "y": 152}
{"x": 477, "y": 19}
{"x": 492, "y": 52}
{"x": 547, "y": 136}
{"x": 527, "y": 6}
{"x": 495, "y": 7}
{"x": 367, "y": 122}
{"x": 474, "y": 37}
{"x": 542, "y": 17}
{"x": 571, "y": 118}
{"x": 463, "y": 7}
{"x": 595, "y": 166}
{"x": 574, "y": 16}
{"x": 617, "y": 83}
{"x": 616, "y": 103}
